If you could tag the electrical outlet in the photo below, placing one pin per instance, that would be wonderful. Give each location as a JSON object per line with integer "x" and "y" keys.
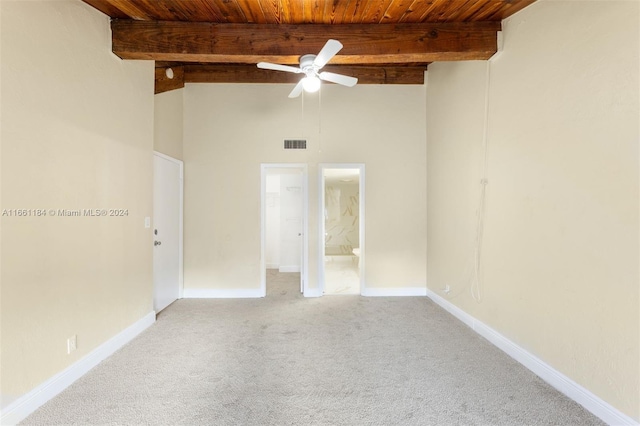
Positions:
{"x": 72, "y": 344}
{"x": 447, "y": 289}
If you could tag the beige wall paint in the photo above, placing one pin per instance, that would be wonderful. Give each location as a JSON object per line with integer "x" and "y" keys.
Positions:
{"x": 231, "y": 129}
{"x": 77, "y": 133}
{"x": 560, "y": 260}
{"x": 168, "y": 123}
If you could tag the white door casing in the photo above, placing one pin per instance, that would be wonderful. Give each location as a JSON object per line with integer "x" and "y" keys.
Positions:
{"x": 167, "y": 230}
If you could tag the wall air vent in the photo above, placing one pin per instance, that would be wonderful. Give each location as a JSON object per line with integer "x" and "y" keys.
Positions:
{"x": 295, "y": 144}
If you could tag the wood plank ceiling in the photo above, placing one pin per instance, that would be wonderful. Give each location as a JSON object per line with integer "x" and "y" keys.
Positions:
{"x": 385, "y": 41}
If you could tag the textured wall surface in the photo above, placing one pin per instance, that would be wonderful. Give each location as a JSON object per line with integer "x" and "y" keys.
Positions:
{"x": 560, "y": 256}
{"x": 77, "y": 133}
{"x": 230, "y": 129}
{"x": 168, "y": 123}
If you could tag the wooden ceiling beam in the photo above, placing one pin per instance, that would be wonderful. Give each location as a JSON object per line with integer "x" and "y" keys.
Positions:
{"x": 164, "y": 83}
{"x": 252, "y": 43}
{"x": 240, "y": 73}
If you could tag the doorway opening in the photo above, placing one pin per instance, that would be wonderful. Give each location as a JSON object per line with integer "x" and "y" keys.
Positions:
{"x": 341, "y": 228}
{"x": 284, "y": 218}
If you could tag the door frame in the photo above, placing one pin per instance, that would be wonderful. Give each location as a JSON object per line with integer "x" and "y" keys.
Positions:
{"x": 181, "y": 225}
{"x": 304, "y": 266}
{"x": 321, "y": 220}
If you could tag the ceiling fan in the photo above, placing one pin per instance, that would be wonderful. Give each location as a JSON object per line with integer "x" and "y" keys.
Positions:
{"x": 310, "y": 65}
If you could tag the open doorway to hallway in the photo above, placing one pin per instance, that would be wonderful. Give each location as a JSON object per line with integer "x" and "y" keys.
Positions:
{"x": 284, "y": 222}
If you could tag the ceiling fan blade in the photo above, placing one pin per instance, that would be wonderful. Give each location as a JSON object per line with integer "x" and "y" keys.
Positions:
{"x": 328, "y": 51}
{"x": 296, "y": 90}
{"x": 345, "y": 80}
{"x": 278, "y": 67}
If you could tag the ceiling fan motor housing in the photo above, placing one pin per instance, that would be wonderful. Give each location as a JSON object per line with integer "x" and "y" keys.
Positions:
{"x": 306, "y": 63}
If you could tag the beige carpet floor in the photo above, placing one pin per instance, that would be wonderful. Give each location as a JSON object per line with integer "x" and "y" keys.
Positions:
{"x": 287, "y": 360}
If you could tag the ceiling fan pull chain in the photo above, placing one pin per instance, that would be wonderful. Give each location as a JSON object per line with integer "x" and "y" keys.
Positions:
{"x": 320, "y": 121}
{"x": 320, "y": 112}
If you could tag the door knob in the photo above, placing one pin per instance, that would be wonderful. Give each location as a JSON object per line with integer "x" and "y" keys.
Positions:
{"x": 157, "y": 243}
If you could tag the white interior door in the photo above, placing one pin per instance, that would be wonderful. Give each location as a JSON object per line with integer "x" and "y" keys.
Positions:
{"x": 167, "y": 230}
{"x": 291, "y": 221}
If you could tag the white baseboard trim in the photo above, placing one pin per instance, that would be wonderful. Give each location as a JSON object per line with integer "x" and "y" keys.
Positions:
{"x": 289, "y": 269}
{"x": 19, "y": 409}
{"x": 314, "y": 292}
{"x": 392, "y": 291}
{"x": 214, "y": 293}
{"x": 562, "y": 383}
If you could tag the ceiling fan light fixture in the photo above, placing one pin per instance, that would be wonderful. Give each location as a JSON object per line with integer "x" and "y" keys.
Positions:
{"x": 311, "y": 84}
{"x": 310, "y": 66}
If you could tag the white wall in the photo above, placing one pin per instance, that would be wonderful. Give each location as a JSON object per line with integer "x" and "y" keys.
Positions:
{"x": 168, "y": 123}
{"x": 77, "y": 133}
{"x": 231, "y": 129}
{"x": 560, "y": 259}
